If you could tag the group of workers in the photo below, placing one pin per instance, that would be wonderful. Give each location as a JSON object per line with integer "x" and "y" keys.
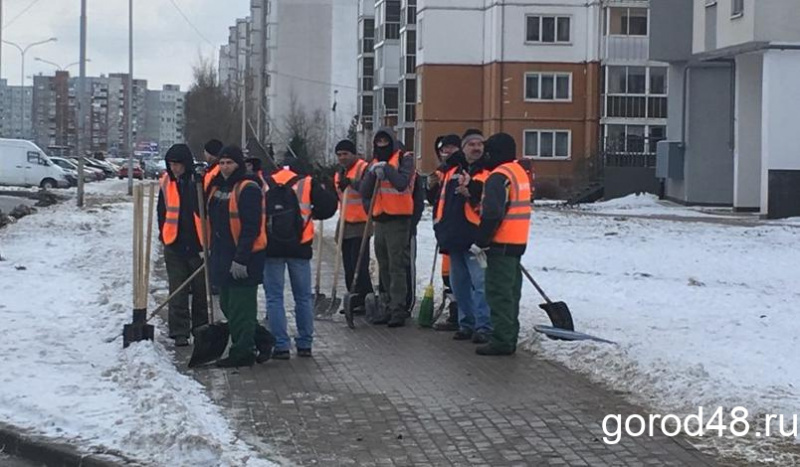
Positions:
{"x": 261, "y": 225}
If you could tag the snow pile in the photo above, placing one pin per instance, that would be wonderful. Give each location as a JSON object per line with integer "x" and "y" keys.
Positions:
{"x": 632, "y": 201}
{"x": 65, "y": 293}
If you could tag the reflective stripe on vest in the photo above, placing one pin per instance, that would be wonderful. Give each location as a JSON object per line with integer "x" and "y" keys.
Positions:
{"x": 260, "y": 242}
{"x": 353, "y": 204}
{"x": 445, "y": 265}
{"x": 302, "y": 189}
{"x": 390, "y": 200}
{"x": 172, "y": 201}
{"x": 516, "y": 223}
{"x": 471, "y": 213}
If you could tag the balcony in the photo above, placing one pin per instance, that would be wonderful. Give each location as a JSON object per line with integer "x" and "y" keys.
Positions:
{"x": 625, "y": 48}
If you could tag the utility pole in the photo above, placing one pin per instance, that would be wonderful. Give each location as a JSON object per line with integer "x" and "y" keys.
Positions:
{"x": 1, "y": 39}
{"x": 244, "y": 109}
{"x": 81, "y": 103}
{"x": 129, "y": 101}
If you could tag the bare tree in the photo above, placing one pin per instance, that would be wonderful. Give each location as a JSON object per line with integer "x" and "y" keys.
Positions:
{"x": 210, "y": 113}
{"x": 306, "y": 134}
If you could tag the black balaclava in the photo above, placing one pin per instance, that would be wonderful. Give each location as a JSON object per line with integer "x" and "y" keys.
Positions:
{"x": 499, "y": 149}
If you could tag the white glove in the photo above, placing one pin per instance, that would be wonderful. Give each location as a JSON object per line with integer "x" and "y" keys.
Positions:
{"x": 238, "y": 271}
{"x": 480, "y": 255}
{"x": 380, "y": 174}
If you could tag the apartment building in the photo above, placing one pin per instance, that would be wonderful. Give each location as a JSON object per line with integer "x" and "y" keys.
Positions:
{"x": 138, "y": 97}
{"x": 386, "y": 82}
{"x": 407, "y": 85}
{"x": 529, "y": 68}
{"x": 732, "y": 131}
{"x": 366, "y": 74}
{"x": 53, "y": 111}
{"x": 165, "y": 117}
{"x": 295, "y": 56}
{"x": 15, "y": 111}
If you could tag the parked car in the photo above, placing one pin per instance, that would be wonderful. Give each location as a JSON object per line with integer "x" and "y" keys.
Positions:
{"x": 106, "y": 168}
{"x": 154, "y": 168}
{"x": 69, "y": 168}
{"x": 93, "y": 173}
{"x": 23, "y": 163}
{"x": 137, "y": 172}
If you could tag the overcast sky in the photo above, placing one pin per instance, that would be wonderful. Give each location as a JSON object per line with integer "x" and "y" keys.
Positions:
{"x": 165, "y": 45}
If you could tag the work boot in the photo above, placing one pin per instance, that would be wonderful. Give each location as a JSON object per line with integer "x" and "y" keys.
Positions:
{"x": 304, "y": 353}
{"x": 462, "y": 335}
{"x": 480, "y": 338}
{"x": 181, "y": 341}
{"x": 265, "y": 343}
{"x": 229, "y": 362}
{"x": 445, "y": 326}
{"x": 280, "y": 355}
{"x": 491, "y": 350}
{"x": 452, "y": 319}
{"x": 397, "y": 321}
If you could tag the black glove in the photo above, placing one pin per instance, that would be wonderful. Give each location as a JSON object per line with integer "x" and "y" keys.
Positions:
{"x": 457, "y": 159}
{"x": 344, "y": 182}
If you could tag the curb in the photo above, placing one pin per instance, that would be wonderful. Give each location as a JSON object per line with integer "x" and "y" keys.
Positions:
{"x": 35, "y": 448}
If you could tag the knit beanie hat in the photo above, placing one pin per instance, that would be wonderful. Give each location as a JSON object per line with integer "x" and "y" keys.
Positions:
{"x": 232, "y": 152}
{"x": 346, "y": 145}
{"x": 471, "y": 135}
{"x": 213, "y": 147}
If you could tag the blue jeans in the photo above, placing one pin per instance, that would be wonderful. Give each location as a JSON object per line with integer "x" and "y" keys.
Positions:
{"x": 300, "y": 278}
{"x": 467, "y": 282}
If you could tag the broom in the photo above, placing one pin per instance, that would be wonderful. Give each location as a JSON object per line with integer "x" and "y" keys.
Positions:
{"x": 425, "y": 317}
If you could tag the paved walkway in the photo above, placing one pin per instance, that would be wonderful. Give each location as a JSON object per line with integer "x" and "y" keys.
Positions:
{"x": 380, "y": 396}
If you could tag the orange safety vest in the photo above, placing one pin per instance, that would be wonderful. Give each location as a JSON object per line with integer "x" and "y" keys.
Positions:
{"x": 172, "y": 201}
{"x": 390, "y": 200}
{"x": 260, "y": 242}
{"x": 445, "y": 265}
{"x": 515, "y": 226}
{"x": 302, "y": 189}
{"x": 353, "y": 205}
{"x": 209, "y": 175}
{"x": 472, "y": 214}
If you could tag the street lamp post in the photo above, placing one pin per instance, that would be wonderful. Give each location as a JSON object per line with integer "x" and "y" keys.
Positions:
{"x": 81, "y": 103}
{"x": 129, "y": 102}
{"x": 22, "y": 52}
{"x": 60, "y": 68}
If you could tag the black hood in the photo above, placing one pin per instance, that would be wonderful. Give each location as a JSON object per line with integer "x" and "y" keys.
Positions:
{"x": 182, "y": 154}
{"x": 500, "y": 148}
{"x": 389, "y": 133}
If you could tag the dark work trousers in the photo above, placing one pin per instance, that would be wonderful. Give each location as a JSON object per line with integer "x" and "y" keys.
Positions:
{"x": 350, "y": 250}
{"x": 179, "y": 267}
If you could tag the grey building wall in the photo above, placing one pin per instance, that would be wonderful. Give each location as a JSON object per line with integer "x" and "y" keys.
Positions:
{"x": 671, "y": 30}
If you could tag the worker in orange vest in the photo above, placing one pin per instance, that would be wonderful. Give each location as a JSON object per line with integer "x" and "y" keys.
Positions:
{"x": 444, "y": 146}
{"x": 292, "y": 201}
{"x": 503, "y": 238}
{"x": 392, "y": 212}
{"x": 238, "y": 247}
{"x": 179, "y": 231}
{"x": 351, "y": 206}
{"x": 456, "y": 221}
{"x": 211, "y": 154}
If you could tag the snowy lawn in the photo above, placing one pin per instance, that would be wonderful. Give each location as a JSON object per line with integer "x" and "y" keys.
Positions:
{"x": 64, "y": 293}
{"x": 704, "y": 314}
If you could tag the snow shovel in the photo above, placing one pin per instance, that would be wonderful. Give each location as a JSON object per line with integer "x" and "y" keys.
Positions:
{"x": 334, "y": 305}
{"x": 210, "y": 340}
{"x": 558, "y": 312}
{"x": 425, "y": 317}
{"x": 321, "y": 302}
{"x": 348, "y": 297}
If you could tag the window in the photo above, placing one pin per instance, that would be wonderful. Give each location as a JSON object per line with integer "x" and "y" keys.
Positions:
{"x": 550, "y": 144}
{"x": 737, "y": 8}
{"x": 628, "y": 21}
{"x": 548, "y": 86}
{"x": 658, "y": 80}
{"x": 33, "y": 157}
{"x": 547, "y": 29}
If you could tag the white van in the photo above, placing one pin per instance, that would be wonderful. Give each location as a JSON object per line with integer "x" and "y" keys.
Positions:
{"x": 23, "y": 163}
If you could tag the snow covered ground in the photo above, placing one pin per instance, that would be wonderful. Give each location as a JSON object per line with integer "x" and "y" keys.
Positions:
{"x": 703, "y": 314}
{"x": 64, "y": 293}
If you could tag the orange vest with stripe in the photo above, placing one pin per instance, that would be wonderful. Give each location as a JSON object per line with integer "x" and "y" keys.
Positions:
{"x": 260, "y": 242}
{"x": 390, "y": 200}
{"x": 445, "y": 265}
{"x": 516, "y": 224}
{"x": 209, "y": 175}
{"x": 172, "y": 201}
{"x": 473, "y": 214}
{"x": 302, "y": 189}
{"x": 352, "y": 206}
